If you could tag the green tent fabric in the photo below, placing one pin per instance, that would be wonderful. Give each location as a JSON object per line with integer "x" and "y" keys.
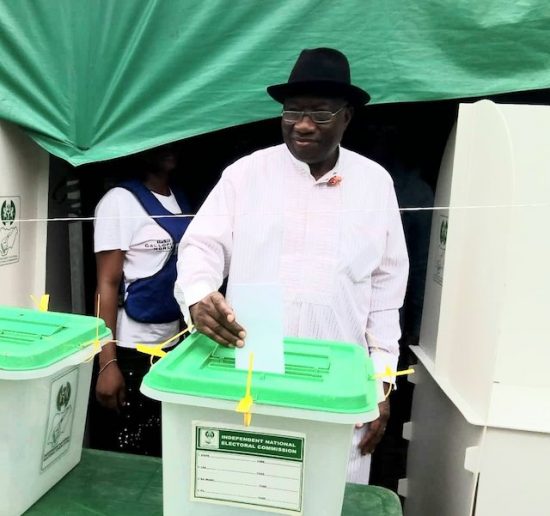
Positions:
{"x": 96, "y": 79}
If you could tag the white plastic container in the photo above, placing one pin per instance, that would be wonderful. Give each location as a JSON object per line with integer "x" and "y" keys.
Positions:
{"x": 45, "y": 372}
{"x": 291, "y": 460}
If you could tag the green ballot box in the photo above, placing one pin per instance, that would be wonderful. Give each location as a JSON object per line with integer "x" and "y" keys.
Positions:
{"x": 45, "y": 372}
{"x": 292, "y": 459}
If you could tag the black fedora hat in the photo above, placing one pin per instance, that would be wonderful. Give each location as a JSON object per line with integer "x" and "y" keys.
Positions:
{"x": 322, "y": 71}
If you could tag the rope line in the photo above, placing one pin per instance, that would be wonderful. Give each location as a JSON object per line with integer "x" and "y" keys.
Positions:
{"x": 190, "y": 215}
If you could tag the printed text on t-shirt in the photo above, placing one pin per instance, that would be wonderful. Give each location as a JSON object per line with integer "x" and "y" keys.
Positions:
{"x": 165, "y": 244}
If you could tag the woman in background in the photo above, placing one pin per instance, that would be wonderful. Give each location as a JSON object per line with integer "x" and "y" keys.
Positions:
{"x": 135, "y": 241}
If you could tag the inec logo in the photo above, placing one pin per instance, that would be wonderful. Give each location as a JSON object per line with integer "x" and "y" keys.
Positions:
{"x": 10, "y": 208}
{"x": 439, "y": 258}
{"x": 62, "y": 404}
{"x": 61, "y": 418}
{"x": 8, "y": 213}
{"x": 209, "y": 438}
{"x": 63, "y": 396}
{"x": 443, "y": 232}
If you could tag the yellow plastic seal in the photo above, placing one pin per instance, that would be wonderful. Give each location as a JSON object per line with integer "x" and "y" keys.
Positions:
{"x": 245, "y": 404}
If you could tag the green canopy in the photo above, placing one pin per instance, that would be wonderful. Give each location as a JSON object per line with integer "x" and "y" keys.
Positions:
{"x": 96, "y": 79}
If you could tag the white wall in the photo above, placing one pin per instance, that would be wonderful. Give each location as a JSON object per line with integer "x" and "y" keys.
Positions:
{"x": 23, "y": 182}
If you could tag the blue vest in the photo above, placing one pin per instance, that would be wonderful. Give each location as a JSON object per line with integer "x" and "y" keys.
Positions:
{"x": 151, "y": 299}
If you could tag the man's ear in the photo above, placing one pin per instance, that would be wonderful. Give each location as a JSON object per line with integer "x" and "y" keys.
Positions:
{"x": 349, "y": 112}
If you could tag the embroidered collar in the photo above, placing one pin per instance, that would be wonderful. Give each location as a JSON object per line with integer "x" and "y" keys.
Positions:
{"x": 332, "y": 177}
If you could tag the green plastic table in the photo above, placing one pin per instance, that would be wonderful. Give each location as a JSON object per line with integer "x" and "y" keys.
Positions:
{"x": 117, "y": 484}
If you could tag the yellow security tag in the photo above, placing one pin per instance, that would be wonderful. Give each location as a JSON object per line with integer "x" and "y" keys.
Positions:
{"x": 154, "y": 351}
{"x": 390, "y": 373}
{"x": 245, "y": 404}
{"x": 404, "y": 372}
{"x": 157, "y": 349}
{"x": 43, "y": 303}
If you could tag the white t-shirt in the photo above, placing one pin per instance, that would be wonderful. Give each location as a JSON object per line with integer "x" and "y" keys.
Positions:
{"x": 122, "y": 223}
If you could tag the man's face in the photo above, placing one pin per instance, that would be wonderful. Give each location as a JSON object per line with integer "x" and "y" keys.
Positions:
{"x": 313, "y": 143}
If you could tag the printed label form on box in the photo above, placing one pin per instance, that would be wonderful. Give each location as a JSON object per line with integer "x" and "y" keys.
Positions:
{"x": 257, "y": 468}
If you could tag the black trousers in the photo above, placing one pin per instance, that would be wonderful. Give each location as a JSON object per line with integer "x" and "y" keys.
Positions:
{"x": 137, "y": 428}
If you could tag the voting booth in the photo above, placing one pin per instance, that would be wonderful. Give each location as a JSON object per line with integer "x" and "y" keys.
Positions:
{"x": 290, "y": 457}
{"x": 480, "y": 427}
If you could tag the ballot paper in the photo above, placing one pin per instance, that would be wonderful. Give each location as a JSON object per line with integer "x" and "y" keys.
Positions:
{"x": 259, "y": 309}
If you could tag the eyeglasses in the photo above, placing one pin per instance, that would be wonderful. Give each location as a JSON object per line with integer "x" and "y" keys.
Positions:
{"x": 317, "y": 117}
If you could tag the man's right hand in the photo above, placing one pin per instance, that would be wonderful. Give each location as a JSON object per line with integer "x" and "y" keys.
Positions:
{"x": 110, "y": 389}
{"x": 215, "y": 318}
